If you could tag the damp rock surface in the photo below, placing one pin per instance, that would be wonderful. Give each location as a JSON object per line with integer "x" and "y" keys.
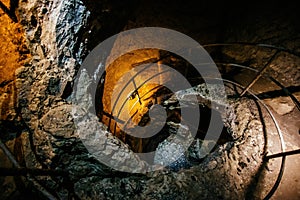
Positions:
{"x": 226, "y": 172}
{"x": 54, "y": 30}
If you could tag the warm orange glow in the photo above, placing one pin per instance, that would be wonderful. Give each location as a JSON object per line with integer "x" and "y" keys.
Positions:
{"x": 114, "y": 73}
{"x": 139, "y": 103}
{"x": 13, "y": 54}
{"x": 134, "y": 83}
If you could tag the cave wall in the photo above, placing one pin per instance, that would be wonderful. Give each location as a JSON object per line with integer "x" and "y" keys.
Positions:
{"x": 64, "y": 38}
{"x": 60, "y": 34}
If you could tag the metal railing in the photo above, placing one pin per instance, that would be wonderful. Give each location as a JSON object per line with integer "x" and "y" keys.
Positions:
{"x": 31, "y": 173}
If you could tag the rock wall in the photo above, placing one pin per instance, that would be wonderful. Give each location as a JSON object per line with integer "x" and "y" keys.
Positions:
{"x": 59, "y": 35}
{"x": 53, "y": 33}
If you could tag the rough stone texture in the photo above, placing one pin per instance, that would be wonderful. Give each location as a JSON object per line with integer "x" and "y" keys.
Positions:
{"x": 40, "y": 83}
{"x": 56, "y": 53}
{"x": 221, "y": 169}
{"x": 172, "y": 151}
{"x": 282, "y": 105}
{"x": 53, "y": 31}
{"x": 236, "y": 159}
{"x": 14, "y": 53}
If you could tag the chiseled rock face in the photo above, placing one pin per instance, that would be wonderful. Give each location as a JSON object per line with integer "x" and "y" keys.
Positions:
{"x": 65, "y": 132}
{"x": 53, "y": 31}
{"x": 227, "y": 172}
{"x": 14, "y": 53}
